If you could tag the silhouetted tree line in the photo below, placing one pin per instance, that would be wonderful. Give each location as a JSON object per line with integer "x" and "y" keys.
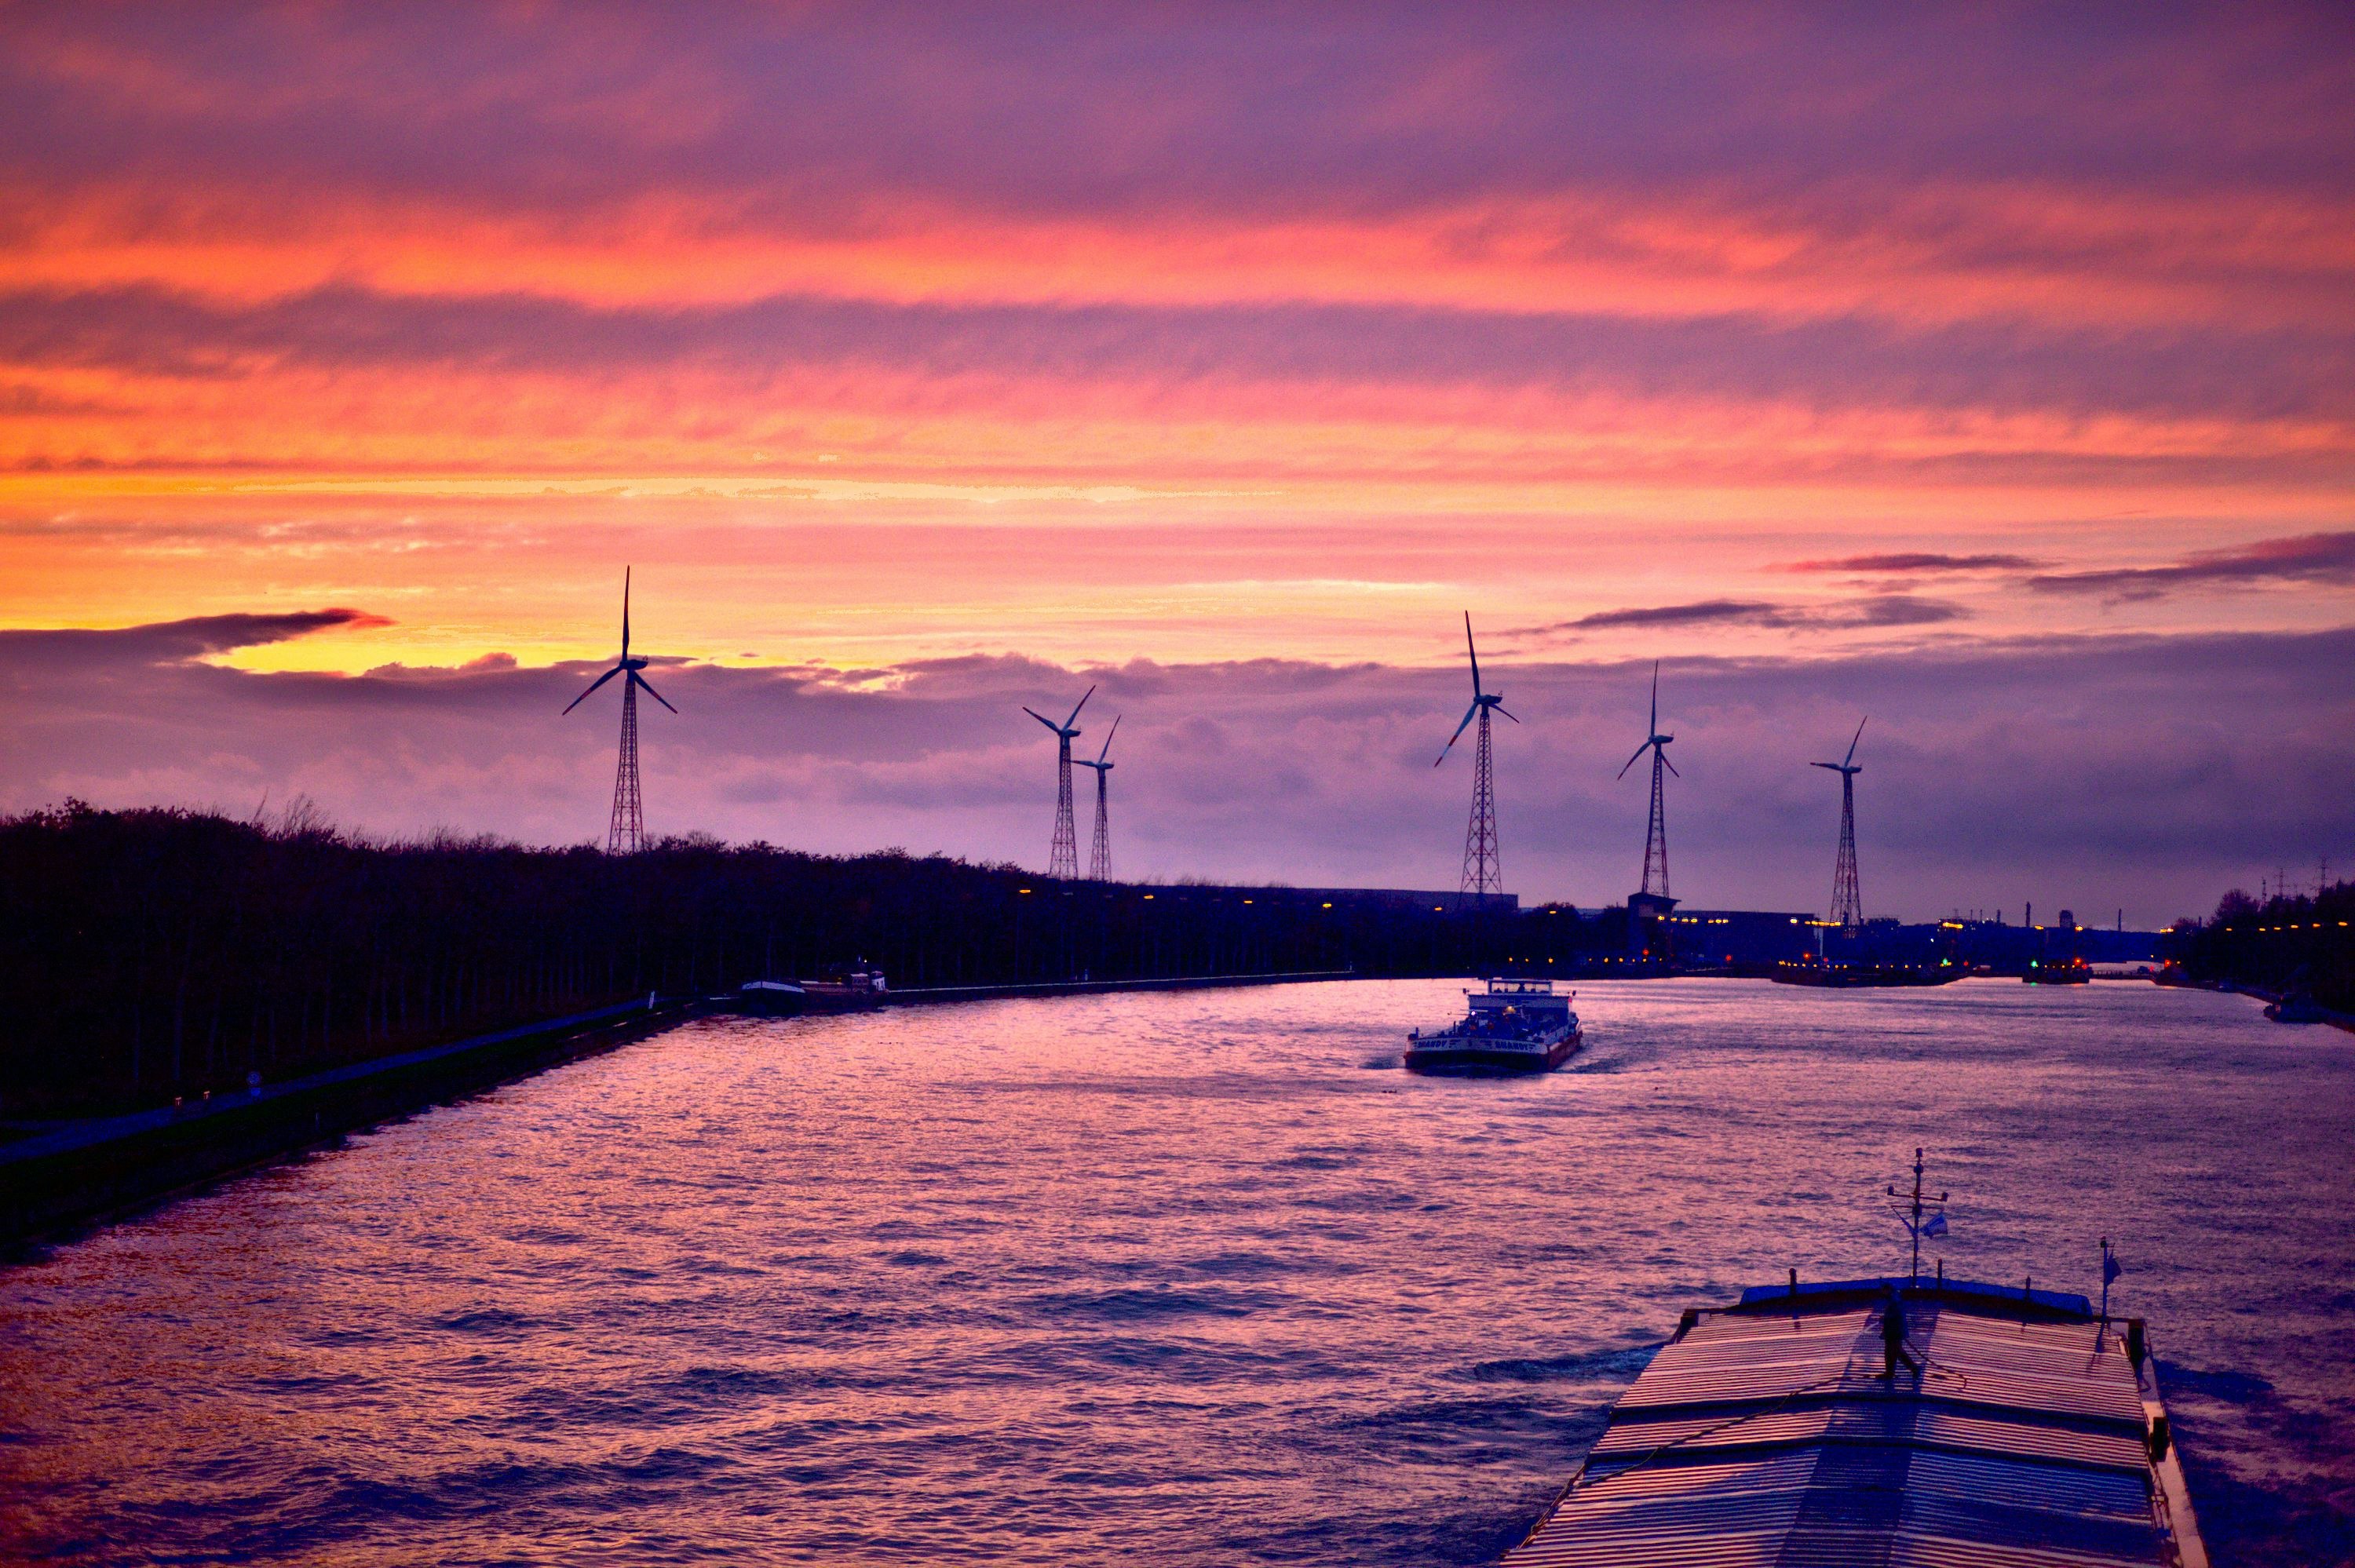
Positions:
{"x": 2285, "y": 945}
{"x": 153, "y": 953}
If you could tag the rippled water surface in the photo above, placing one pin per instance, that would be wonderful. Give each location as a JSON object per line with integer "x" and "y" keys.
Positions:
{"x": 1187, "y": 1278}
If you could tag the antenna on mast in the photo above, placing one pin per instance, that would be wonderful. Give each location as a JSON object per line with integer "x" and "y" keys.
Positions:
{"x": 1916, "y": 1226}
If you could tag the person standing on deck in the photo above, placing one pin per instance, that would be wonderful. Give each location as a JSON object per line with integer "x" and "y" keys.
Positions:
{"x": 1892, "y": 1338}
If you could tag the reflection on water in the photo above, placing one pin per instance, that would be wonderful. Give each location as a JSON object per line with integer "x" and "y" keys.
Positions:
{"x": 1193, "y": 1277}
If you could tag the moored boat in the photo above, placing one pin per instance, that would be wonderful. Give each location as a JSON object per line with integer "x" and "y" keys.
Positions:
{"x": 770, "y": 999}
{"x": 1513, "y": 1026}
{"x": 2299, "y": 1007}
{"x": 853, "y": 991}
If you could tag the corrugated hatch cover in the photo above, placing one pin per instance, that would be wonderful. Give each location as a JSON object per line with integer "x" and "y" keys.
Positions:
{"x": 1766, "y": 1439}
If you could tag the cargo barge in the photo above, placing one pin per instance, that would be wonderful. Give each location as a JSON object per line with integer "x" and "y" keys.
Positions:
{"x": 1514, "y": 1026}
{"x": 1884, "y": 1421}
{"x": 858, "y": 989}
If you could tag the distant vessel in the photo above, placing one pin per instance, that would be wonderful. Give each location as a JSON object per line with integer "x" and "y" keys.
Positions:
{"x": 1514, "y": 1026}
{"x": 2299, "y": 1006}
{"x": 2065, "y": 971}
{"x": 770, "y": 999}
{"x": 1883, "y": 1421}
{"x": 853, "y": 991}
{"x": 1841, "y": 976}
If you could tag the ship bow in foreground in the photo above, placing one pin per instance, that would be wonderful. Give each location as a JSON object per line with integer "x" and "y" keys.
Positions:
{"x": 1766, "y": 1433}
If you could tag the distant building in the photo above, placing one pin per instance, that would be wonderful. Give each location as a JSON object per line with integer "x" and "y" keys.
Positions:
{"x": 1648, "y": 915}
{"x": 1739, "y": 938}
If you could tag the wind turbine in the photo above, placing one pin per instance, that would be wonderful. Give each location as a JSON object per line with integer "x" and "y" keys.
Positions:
{"x": 1064, "y": 858}
{"x": 1656, "y": 840}
{"x": 1100, "y": 852}
{"x": 1848, "y": 903}
{"x": 627, "y": 834}
{"x": 1484, "y": 872}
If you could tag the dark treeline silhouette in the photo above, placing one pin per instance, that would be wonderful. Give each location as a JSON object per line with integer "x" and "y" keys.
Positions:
{"x": 2283, "y": 945}
{"x": 149, "y": 954}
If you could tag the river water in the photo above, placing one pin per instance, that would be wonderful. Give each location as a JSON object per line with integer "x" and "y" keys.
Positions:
{"x": 1184, "y": 1278}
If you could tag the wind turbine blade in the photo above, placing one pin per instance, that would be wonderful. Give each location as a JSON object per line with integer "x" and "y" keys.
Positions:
{"x": 1468, "y": 715}
{"x": 1667, "y": 764}
{"x": 1833, "y": 766}
{"x": 593, "y": 686}
{"x": 626, "y": 612}
{"x": 1852, "y": 740}
{"x": 649, "y": 690}
{"x": 1500, "y": 708}
{"x": 1655, "y": 697}
{"x": 1077, "y": 706}
{"x": 1631, "y": 761}
{"x": 1042, "y": 718}
{"x": 1472, "y": 650}
{"x": 1108, "y": 734}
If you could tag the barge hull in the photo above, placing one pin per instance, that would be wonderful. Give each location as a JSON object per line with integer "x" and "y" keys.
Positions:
{"x": 1474, "y": 1060}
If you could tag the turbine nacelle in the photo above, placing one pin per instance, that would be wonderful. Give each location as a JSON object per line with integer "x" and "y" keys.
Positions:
{"x": 1100, "y": 764}
{"x": 626, "y": 665}
{"x": 1847, "y": 767}
{"x": 1069, "y": 728}
{"x": 1653, "y": 742}
{"x": 1480, "y": 699}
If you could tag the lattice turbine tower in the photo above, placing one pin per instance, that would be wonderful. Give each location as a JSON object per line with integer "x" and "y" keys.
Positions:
{"x": 626, "y": 832}
{"x": 1847, "y": 902}
{"x": 1063, "y": 855}
{"x": 1100, "y": 852}
{"x": 1484, "y": 868}
{"x": 1483, "y": 871}
{"x": 1656, "y": 835}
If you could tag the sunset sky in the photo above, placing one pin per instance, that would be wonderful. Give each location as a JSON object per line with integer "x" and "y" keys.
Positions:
{"x": 1992, "y": 374}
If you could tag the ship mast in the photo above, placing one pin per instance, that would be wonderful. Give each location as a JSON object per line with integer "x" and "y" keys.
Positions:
{"x": 1913, "y": 1223}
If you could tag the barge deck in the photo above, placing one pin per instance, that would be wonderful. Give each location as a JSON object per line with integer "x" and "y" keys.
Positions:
{"x": 2028, "y": 1434}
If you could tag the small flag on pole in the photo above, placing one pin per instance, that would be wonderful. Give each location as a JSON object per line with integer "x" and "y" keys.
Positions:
{"x": 2110, "y": 1269}
{"x": 1935, "y": 1225}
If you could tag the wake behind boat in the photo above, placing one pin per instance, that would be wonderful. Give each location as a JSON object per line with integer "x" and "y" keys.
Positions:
{"x": 1514, "y": 1026}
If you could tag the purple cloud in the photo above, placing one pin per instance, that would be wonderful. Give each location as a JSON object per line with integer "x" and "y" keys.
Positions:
{"x": 808, "y": 111}
{"x": 1918, "y": 561}
{"x": 1881, "y": 610}
{"x": 1846, "y": 363}
{"x": 173, "y": 642}
{"x": 2131, "y": 779}
{"x": 2306, "y": 558}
